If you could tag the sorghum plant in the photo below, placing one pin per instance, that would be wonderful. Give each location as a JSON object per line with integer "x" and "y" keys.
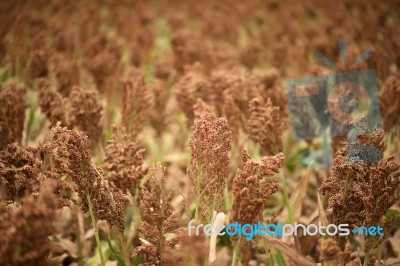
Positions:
{"x": 191, "y": 86}
{"x": 251, "y": 187}
{"x": 102, "y": 57}
{"x": 25, "y": 228}
{"x": 265, "y": 125}
{"x": 86, "y": 112}
{"x": 19, "y": 172}
{"x": 136, "y": 102}
{"x": 201, "y": 107}
{"x": 51, "y": 102}
{"x": 158, "y": 218}
{"x": 361, "y": 193}
{"x": 66, "y": 154}
{"x": 65, "y": 71}
{"x": 124, "y": 164}
{"x": 12, "y": 113}
{"x": 390, "y": 101}
{"x": 209, "y": 163}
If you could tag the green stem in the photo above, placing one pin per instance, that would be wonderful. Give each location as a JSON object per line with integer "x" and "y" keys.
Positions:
{"x": 196, "y": 213}
{"x": 124, "y": 248}
{"x": 198, "y": 194}
{"x": 366, "y": 259}
{"x": 236, "y": 250}
{"x": 285, "y": 197}
{"x": 379, "y": 254}
{"x": 96, "y": 231}
{"x": 79, "y": 237}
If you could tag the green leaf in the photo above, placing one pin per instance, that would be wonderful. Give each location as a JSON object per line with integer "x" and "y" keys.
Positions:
{"x": 137, "y": 260}
{"x": 355, "y": 243}
{"x": 95, "y": 260}
{"x": 393, "y": 214}
{"x": 280, "y": 260}
{"x": 115, "y": 254}
{"x": 270, "y": 260}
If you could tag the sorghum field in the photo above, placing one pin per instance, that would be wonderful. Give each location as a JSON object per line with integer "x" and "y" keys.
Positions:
{"x": 122, "y": 121}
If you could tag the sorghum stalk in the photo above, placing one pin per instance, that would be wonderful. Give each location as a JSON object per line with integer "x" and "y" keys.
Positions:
{"x": 96, "y": 231}
{"x": 236, "y": 251}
